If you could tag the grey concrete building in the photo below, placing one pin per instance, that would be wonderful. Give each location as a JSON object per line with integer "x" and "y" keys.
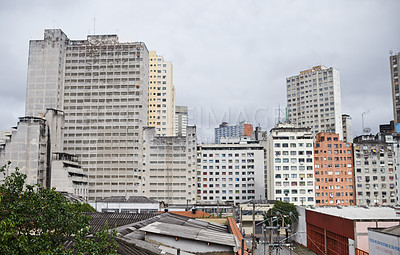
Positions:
{"x": 169, "y": 167}
{"x": 101, "y": 84}
{"x": 347, "y": 124}
{"x": 181, "y": 120}
{"x": 46, "y": 65}
{"x": 230, "y": 172}
{"x": 394, "y": 75}
{"x": 374, "y": 163}
{"x": 35, "y": 146}
{"x": 314, "y": 100}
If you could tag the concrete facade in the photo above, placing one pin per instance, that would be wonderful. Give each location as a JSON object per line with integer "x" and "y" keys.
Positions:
{"x": 169, "y": 164}
{"x": 314, "y": 100}
{"x": 374, "y": 163}
{"x": 347, "y": 123}
{"x": 102, "y": 87}
{"x": 394, "y": 77}
{"x": 46, "y": 65}
{"x": 334, "y": 171}
{"x": 290, "y": 166}
{"x": 161, "y": 95}
{"x": 35, "y": 148}
{"x": 27, "y": 150}
{"x": 230, "y": 172}
{"x": 181, "y": 120}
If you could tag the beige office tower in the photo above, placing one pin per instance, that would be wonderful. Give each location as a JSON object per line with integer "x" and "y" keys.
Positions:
{"x": 394, "y": 74}
{"x": 101, "y": 85}
{"x": 314, "y": 100}
{"x": 161, "y": 95}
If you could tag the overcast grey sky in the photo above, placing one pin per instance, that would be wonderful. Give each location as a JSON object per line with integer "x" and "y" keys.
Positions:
{"x": 230, "y": 58}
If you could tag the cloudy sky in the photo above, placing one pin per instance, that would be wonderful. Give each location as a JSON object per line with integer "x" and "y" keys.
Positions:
{"x": 230, "y": 58}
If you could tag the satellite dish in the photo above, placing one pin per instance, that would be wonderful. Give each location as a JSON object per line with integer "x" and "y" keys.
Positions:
{"x": 367, "y": 130}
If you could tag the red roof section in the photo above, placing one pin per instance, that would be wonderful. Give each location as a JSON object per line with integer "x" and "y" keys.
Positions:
{"x": 235, "y": 230}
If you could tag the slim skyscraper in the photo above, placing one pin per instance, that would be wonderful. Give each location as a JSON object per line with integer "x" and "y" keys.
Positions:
{"x": 314, "y": 100}
{"x": 101, "y": 85}
{"x": 161, "y": 95}
{"x": 394, "y": 74}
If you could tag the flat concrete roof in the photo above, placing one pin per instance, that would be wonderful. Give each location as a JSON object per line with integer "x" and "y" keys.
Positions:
{"x": 360, "y": 213}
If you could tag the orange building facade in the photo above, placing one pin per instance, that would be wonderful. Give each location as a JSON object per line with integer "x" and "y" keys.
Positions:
{"x": 334, "y": 171}
{"x": 248, "y": 129}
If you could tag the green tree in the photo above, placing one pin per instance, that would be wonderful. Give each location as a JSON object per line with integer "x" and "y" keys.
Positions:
{"x": 284, "y": 211}
{"x": 36, "y": 220}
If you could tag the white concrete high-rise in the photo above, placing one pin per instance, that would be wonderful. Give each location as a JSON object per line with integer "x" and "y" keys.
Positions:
{"x": 314, "y": 100}
{"x": 290, "y": 167}
{"x": 181, "y": 120}
{"x": 101, "y": 84}
{"x": 230, "y": 172}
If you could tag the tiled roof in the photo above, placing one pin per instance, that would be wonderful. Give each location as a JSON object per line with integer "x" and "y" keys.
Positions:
{"x": 115, "y": 219}
{"x": 235, "y": 230}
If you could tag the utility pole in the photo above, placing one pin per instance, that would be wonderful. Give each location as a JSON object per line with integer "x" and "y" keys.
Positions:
{"x": 241, "y": 221}
{"x": 253, "y": 243}
{"x": 270, "y": 232}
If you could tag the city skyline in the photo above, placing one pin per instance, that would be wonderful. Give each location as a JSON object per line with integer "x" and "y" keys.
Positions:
{"x": 231, "y": 58}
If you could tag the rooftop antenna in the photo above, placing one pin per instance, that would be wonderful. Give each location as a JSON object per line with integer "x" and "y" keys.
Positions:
{"x": 94, "y": 25}
{"x": 365, "y": 129}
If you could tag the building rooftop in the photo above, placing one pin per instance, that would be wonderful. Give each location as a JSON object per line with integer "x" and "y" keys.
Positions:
{"x": 114, "y": 220}
{"x": 395, "y": 230}
{"x": 191, "y": 232}
{"x": 131, "y": 238}
{"x": 360, "y": 213}
{"x": 190, "y": 214}
{"x": 131, "y": 199}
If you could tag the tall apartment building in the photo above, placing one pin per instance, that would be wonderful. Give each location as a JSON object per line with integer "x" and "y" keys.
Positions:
{"x": 290, "y": 167}
{"x": 181, "y": 120}
{"x": 235, "y": 131}
{"x": 101, "y": 85}
{"x": 375, "y": 176}
{"x": 334, "y": 171}
{"x": 170, "y": 167}
{"x": 230, "y": 172}
{"x": 161, "y": 95}
{"x": 314, "y": 100}
{"x": 347, "y": 124}
{"x": 394, "y": 75}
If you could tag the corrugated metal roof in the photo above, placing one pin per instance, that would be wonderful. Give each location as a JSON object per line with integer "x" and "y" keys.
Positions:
{"x": 193, "y": 233}
{"x": 115, "y": 219}
{"x": 131, "y": 199}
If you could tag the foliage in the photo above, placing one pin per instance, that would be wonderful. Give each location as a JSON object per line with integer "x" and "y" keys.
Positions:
{"x": 87, "y": 208}
{"x": 35, "y": 220}
{"x": 284, "y": 210}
